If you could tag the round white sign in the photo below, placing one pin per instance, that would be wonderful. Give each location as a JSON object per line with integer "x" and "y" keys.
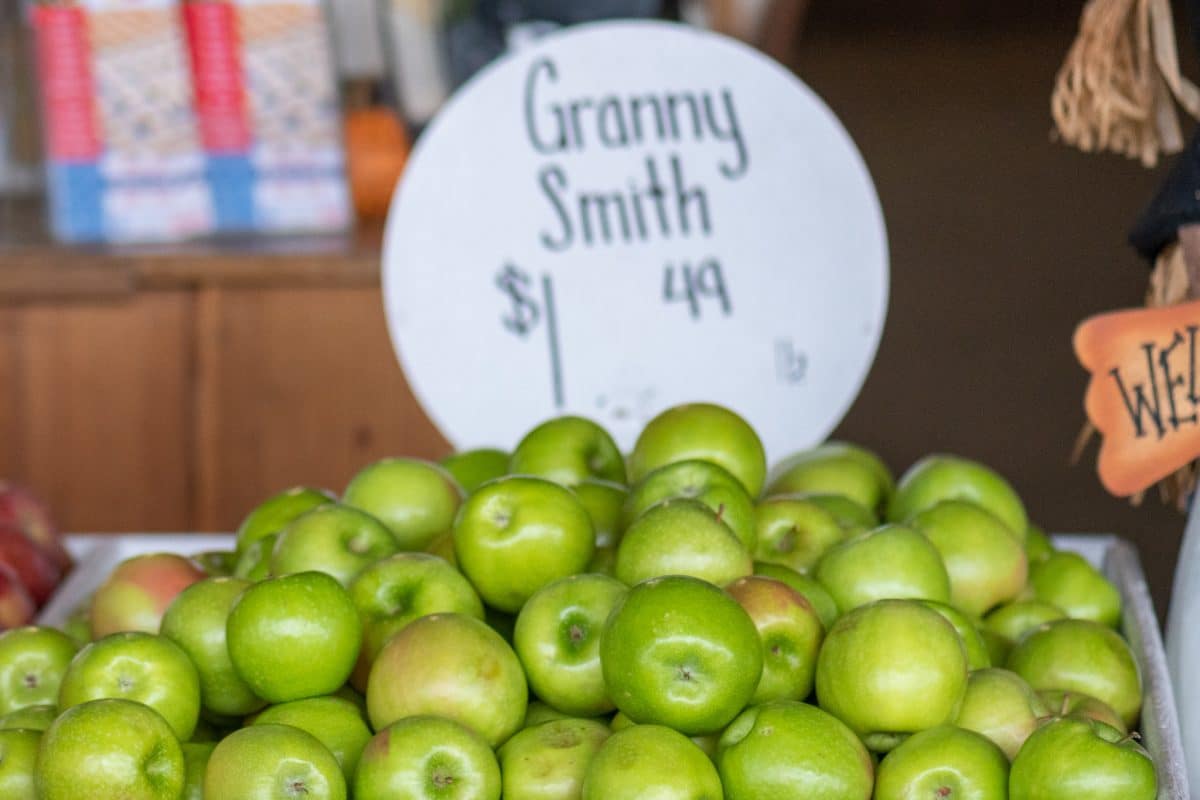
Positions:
{"x": 630, "y": 215}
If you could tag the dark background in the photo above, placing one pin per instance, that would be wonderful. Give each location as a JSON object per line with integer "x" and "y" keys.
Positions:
{"x": 1001, "y": 240}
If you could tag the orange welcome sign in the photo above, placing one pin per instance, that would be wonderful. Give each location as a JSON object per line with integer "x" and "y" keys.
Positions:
{"x": 1144, "y": 394}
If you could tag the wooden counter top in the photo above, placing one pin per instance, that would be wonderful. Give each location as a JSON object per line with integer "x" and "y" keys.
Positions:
{"x": 35, "y": 268}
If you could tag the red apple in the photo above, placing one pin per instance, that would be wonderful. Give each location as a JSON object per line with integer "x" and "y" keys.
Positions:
{"x": 21, "y": 510}
{"x": 16, "y": 607}
{"x": 137, "y": 593}
{"x": 38, "y": 573}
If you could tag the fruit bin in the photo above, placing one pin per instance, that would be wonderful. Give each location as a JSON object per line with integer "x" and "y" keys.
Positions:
{"x": 98, "y": 554}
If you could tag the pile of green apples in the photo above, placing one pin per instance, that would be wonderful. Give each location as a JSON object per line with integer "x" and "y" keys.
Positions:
{"x": 567, "y": 621}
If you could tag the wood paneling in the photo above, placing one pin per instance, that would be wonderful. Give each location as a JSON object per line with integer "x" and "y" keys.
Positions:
{"x": 95, "y": 409}
{"x": 295, "y": 386}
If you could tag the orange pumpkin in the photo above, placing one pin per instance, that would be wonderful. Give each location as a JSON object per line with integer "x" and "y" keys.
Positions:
{"x": 377, "y": 148}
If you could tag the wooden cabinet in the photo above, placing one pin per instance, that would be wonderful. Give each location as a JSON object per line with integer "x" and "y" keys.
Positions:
{"x": 172, "y": 390}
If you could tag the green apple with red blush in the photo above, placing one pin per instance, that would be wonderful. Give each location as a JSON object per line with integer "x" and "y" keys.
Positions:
{"x": 273, "y": 762}
{"x": 427, "y": 758}
{"x": 698, "y": 480}
{"x": 336, "y": 539}
{"x": 704, "y": 432}
{"x": 791, "y": 635}
{"x": 449, "y": 665}
{"x": 517, "y": 534}
{"x": 417, "y": 500}
{"x": 1001, "y": 706}
{"x": 144, "y": 667}
{"x": 549, "y": 761}
{"x": 816, "y": 594}
{"x": 568, "y": 450}
{"x": 138, "y": 591}
{"x": 557, "y": 638}
{"x": 681, "y": 537}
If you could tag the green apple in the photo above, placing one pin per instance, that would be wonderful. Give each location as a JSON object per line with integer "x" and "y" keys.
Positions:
{"x": 984, "y": 559}
{"x": 1000, "y": 705}
{"x": 275, "y": 627}
{"x": 976, "y": 648}
{"x": 274, "y": 513}
{"x": 1037, "y": 544}
{"x": 150, "y": 669}
{"x": 603, "y": 501}
{"x": 335, "y": 539}
{"x": 30, "y": 718}
{"x": 1068, "y": 581}
{"x": 195, "y": 762}
{"x": 33, "y": 661}
{"x": 1070, "y": 758}
{"x": 891, "y": 668}
{"x": 453, "y": 666}
{"x": 816, "y": 594}
{"x": 943, "y": 762}
{"x": 997, "y": 646}
{"x": 785, "y": 750}
{"x": 834, "y": 468}
{"x": 254, "y": 562}
{"x": 517, "y": 534}
{"x": 568, "y": 450}
{"x": 427, "y": 758}
{"x": 538, "y": 712}
{"x": 216, "y": 563}
{"x": 473, "y": 468}
{"x": 1081, "y": 656}
{"x": 442, "y": 546}
{"x": 650, "y": 761}
{"x": 549, "y": 761}
{"x": 892, "y": 562}
{"x": 853, "y": 517}
{"x": 794, "y": 532}
{"x": 335, "y": 722}
{"x": 196, "y": 621}
{"x": 393, "y": 592}
{"x": 791, "y": 634}
{"x": 699, "y": 480}
{"x": 681, "y": 537}
{"x": 111, "y": 749}
{"x": 78, "y": 624}
{"x": 678, "y": 651}
{"x": 273, "y": 762}
{"x": 557, "y": 638}
{"x": 1065, "y": 704}
{"x": 18, "y": 758}
{"x": 706, "y": 742}
{"x": 138, "y": 591}
{"x": 701, "y": 431}
{"x": 1012, "y": 621}
{"x": 416, "y": 499}
{"x": 941, "y": 477}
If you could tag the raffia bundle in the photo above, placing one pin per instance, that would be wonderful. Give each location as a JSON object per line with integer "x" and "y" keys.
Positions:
{"x": 1114, "y": 90}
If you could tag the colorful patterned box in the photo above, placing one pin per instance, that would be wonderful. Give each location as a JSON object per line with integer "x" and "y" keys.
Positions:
{"x": 122, "y": 152}
{"x": 270, "y": 117}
